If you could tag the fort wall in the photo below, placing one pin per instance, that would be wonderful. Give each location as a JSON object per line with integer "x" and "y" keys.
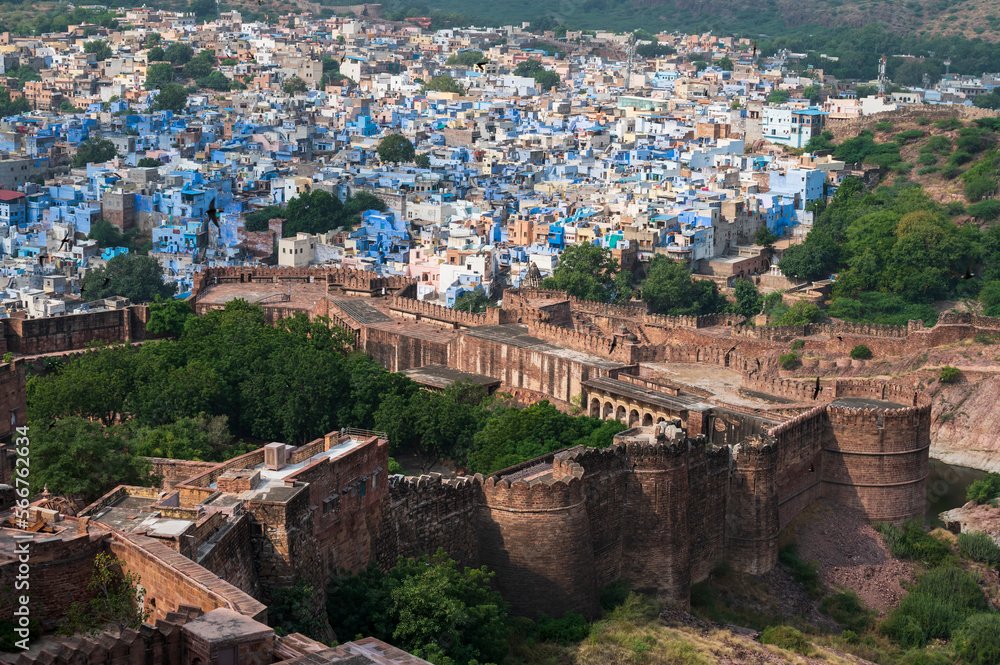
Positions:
{"x": 229, "y": 555}
{"x": 844, "y": 128}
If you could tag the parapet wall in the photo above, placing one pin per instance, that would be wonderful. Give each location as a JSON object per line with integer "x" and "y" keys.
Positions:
{"x": 844, "y": 128}
{"x": 435, "y": 312}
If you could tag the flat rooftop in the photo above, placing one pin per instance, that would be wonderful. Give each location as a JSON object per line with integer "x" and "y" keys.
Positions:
{"x": 679, "y": 402}
{"x": 440, "y": 376}
{"x": 272, "y": 483}
{"x": 302, "y": 295}
{"x": 516, "y": 334}
{"x": 136, "y": 513}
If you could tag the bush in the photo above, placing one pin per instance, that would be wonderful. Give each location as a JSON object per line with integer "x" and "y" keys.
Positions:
{"x": 959, "y": 157}
{"x": 861, "y": 352}
{"x": 798, "y": 344}
{"x": 949, "y": 124}
{"x": 571, "y": 628}
{"x": 883, "y": 126}
{"x": 980, "y": 188}
{"x": 787, "y": 637}
{"x": 908, "y": 135}
{"x": 935, "y": 608}
{"x": 927, "y": 158}
{"x": 925, "y": 657}
{"x": 949, "y": 374}
{"x": 927, "y": 170}
{"x": 985, "y": 489}
{"x": 978, "y": 641}
{"x": 847, "y": 609}
{"x": 804, "y": 572}
{"x": 788, "y": 360}
{"x": 951, "y": 172}
{"x": 978, "y": 546}
{"x": 923, "y": 121}
{"x": 910, "y": 541}
{"x": 904, "y": 629}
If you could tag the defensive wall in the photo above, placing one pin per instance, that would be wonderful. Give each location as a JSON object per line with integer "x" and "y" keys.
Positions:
{"x": 848, "y": 128}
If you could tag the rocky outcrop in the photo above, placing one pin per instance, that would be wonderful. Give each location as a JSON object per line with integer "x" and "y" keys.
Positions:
{"x": 973, "y": 517}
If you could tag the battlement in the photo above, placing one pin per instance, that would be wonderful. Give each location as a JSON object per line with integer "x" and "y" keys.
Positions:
{"x": 797, "y": 421}
{"x": 799, "y": 391}
{"x": 435, "y": 312}
{"x": 969, "y": 319}
{"x": 572, "y": 338}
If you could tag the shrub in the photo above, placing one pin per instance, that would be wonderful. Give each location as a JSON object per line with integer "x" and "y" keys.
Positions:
{"x": 805, "y": 572}
{"x": 927, "y": 170}
{"x": 940, "y": 144}
{"x": 925, "y": 657}
{"x": 923, "y": 121}
{"x": 861, "y": 352}
{"x": 949, "y": 124}
{"x": 883, "y": 126}
{"x": 949, "y": 374}
{"x": 904, "y": 629}
{"x": 787, "y": 637}
{"x": 978, "y": 546}
{"x": 978, "y": 641}
{"x": 847, "y": 609}
{"x": 951, "y": 172}
{"x": 979, "y": 188}
{"x": 849, "y": 636}
{"x": 926, "y": 158}
{"x": 959, "y": 157}
{"x": 788, "y": 360}
{"x": 798, "y": 344}
{"x": 985, "y": 489}
{"x": 908, "y": 135}
{"x": 572, "y": 627}
{"x": 910, "y": 541}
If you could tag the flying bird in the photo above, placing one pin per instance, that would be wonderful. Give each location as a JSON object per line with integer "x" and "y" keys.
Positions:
{"x": 213, "y": 214}
{"x": 64, "y": 244}
{"x": 968, "y": 271}
{"x": 817, "y": 390}
{"x": 840, "y": 338}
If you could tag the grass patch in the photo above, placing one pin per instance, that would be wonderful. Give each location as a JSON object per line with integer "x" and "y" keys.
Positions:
{"x": 805, "y": 572}
{"x": 980, "y": 547}
{"x": 910, "y": 541}
{"x": 787, "y": 637}
{"x": 847, "y": 609}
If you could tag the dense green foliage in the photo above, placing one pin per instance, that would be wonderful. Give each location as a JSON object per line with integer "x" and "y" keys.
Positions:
{"x": 100, "y": 48}
{"x": 895, "y": 241}
{"x": 396, "y": 148}
{"x": 985, "y": 489}
{"x": 108, "y": 235}
{"x": 910, "y": 541}
{"x": 475, "y": 301}
{"x": 465, "y": 58}
{"x": 315, "y": 212}
{"x": 291, "y": 611}
{"x": 533, "y": 69}
{"x": 861, "y": 352}
{"x": 589, "y": 272}
{"x": 138, "y": 278}
{"x": 15, "y": 107}
{"x": 805, "y": 572}
{"x": 168, "y": 316}
{"x": 949, "y": 374}
{"x": 979, "y": 546}
{"x": 171, "y": 97}
{"x": 158, "y": 75}
{"x": 293, "y": 85}
{"x": 937, "y": 606}
{"x": 847, "y": 609}
{"x": 179, "y": 53}
{"x": 787, "y": 637}
{"x": 669, "y": 289}
{"x": 94, "y": 151}
{"x": 978, "y": 641}
{"x": 749, "y": 301}
{"x": 443, "y": 83}
{"x": 428, "y": 606}
{"x": 231, "y": 375}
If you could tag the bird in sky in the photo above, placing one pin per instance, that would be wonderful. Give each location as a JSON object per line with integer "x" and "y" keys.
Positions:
{"x": 213, "y": 214}
{"x": 817, "y": 390}
{"x": 64, "y": 244}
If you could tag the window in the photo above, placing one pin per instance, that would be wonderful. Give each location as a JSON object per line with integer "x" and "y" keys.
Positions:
{"x": 362, "y": 490}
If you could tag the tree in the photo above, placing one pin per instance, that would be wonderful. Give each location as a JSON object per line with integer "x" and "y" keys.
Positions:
{"x": 152, "y": 39}
{"x": 179, "y": 53}
{"x": 811, "y": 92}
{"x": 291, "y": 611}
{"x": 294, "y": 85}
{"x": 422, "y": 160}
{"x": 427, "y": 606}
{"x": 202, "y": 8}
{"x": 168, "y": 316}
{"x": 474, "y": 301}
{"x": 465, "y": 58}
{"x": 156, "y": 54}
{"x": 589, "y": 272}
{"x": 108, "y": 235}
{"x": 443, "y": 83}
{"x": 543, "y": 77}
{"x": 23, "y": 74}
{"x": 158, "y": 75}
{"x": 80, "y": 457}
{"x": 778, "y": 97}
{"x": 201, "y": 66}
{"x": 8, "y": 107}
{"x": 396, "y": 148}
{"x": 765, "y": 238}
{"x": 149, "y": 162}
{"x": 800, "y": 314}
{"x": 215, "y": 81}
{"x": 547, "y": 79}
{"x": 118, "y": 599}
{"x": 977, "y": 642}
{"x": 138, "y": 278}
{"x": 94, "y": 151}
{"x": 171, "y": 97}
{"x": 670, "y": 290}
{"x": 749, "y": 301}
{"x": 100, "y": 49}
{"x": 725, "y": 64}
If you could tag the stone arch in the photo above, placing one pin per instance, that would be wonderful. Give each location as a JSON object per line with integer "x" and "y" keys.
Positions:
{"x": 609, "y": 410}
{"x": 661, "y": 419}
{"x": 595, "y": 408}
{"x": 647, "y": 420}
{"x": 633, "y": 418}
{"x": 620, "y": 414}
